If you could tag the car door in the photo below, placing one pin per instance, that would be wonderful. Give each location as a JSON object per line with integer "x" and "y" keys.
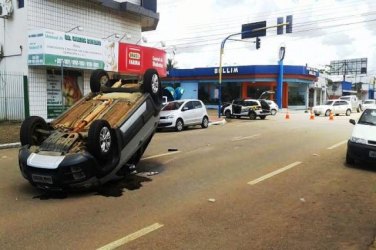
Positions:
{"x": 188, "y": 113}
{"x": 197, "y": 112}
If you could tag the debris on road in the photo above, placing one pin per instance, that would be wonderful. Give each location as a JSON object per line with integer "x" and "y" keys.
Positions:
{"x": 302, "y": 200}
{"x": 211, "y": 200}
{"x": 316, "y": 155}
{"x": 152, "y": 173}
{"x": 172, "y": 149}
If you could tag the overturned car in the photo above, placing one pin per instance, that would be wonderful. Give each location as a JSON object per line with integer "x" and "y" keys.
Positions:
{"x": 95, "y": 140}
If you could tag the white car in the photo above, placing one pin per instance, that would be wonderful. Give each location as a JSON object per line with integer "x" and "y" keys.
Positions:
{"x": 371, "y": 103}
{"x": 362, "y": 144}
{"x": 337, "y": 107}
{"x": 273, "y": 107}
{"x": 183, "y": 113}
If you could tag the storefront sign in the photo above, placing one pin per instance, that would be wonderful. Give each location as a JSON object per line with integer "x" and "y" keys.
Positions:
{"x": 227, "y": 70}
{"x": 55, "y": 48}
{"x": 135, "y": 59}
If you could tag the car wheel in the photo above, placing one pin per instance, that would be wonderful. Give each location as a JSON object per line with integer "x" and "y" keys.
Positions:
{"x": 179, "y": 126}
{"x": 327, "y": 113}
{"x": 205, "y": 122}
{"x": 317, "y": 114}
{"x": 349, "y": 160}
{"x": 152, "y": 85}
{"x": 228, "y": 114}
{"x": 98, "y": 78}
{"x": 252, "y": 115}
{"x": 30, "y": 133}
{"x": 100, "y": 141}
{"x": 348, "y": 112}
{"x": 273, "y": 112}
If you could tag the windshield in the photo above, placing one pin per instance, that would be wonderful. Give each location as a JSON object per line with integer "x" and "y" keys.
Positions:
{"x": 172, "y": 106}
{"x": 345, "y": 98}
{"x": 368, "y": 117}
{"x": 329, "y": 103}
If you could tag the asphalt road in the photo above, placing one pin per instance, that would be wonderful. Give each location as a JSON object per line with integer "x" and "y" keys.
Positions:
{"x": 272, "y": 184}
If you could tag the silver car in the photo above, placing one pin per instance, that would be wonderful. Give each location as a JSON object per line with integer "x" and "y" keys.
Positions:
{"x": 183, "y": 113}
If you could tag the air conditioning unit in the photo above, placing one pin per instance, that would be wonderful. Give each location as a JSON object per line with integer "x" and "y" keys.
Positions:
{"x": 6, "y": 8}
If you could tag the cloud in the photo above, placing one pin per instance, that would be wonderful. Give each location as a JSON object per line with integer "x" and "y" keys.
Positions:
{"x": 337, "y": 39}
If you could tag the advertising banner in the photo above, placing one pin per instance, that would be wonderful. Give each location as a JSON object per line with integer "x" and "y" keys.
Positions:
{"x": 135, "y": 59}
{"x": 55, "y": 48}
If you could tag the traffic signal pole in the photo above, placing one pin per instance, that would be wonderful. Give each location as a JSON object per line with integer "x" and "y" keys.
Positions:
{"x": 221, "y": 58}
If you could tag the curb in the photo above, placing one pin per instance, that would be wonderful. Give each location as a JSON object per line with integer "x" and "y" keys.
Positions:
{"x": 221, "y": 122}
{"x": 10, "y": 145}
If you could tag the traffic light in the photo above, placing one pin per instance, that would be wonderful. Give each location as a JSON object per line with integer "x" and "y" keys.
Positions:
{"x": 257, "y": 43}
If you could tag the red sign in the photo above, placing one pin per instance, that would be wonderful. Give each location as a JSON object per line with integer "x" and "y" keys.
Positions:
{"x": 135, "y": 59}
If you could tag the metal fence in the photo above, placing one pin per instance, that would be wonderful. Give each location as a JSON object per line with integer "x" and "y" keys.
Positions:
{"x": 12, "y": 96}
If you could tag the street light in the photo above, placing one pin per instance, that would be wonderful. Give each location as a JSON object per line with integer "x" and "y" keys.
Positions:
{"x": 143, "y": 39}
{"x": 116, "y": 35}
{"x": 126, "y": 35}
{"x": 79, "y": 28}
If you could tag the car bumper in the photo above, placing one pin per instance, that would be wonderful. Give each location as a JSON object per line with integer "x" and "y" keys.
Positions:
{"x": 166, "y": 122}
{"x": 361, "y": 152}
{"x": 74, "y": 171}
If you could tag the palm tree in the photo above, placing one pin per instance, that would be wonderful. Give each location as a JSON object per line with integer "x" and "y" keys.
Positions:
{"x": 171, "y": 64}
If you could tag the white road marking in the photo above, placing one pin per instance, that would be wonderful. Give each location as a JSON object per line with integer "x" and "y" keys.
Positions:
{"x": 131, "y": 237}
{"x": 337, "y": 145}
{"x": 245, "y": 137}
{"x": 160, "y": 155}
{"x": 267, "y": 176}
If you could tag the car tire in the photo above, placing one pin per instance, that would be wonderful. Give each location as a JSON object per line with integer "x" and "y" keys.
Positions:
{"x": 252, "y": 115}
{"x": 179, "y": 126}
{"x": 100, "y": 142}
{"x": 29, "y": 134}
{"x": 327, "y": 113}
{"x": 98, "y": 78}
{"x": 238, "y": 117}
{"x": 152, "y": 85}
{"x": 228, "y": 114}
{"x": 349, "y": 160}
{"x": 205, "y": 122}
{"x": 317, "y": 114}
{"x": 262, "y": 117}
{"x": 273, "y": 112}
{"x": 348, "y": 112}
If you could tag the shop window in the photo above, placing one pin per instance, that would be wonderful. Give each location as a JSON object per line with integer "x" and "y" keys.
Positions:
{"x": 21, "y": 4}
{"x": 297, "y": 96}
{"x": 231, "y": 91}
{"x": 62, "y": 95}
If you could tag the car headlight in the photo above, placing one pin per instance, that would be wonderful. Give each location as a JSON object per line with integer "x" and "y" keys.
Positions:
{"x": 170, "y": 116}
{"x": 358, "y": 140}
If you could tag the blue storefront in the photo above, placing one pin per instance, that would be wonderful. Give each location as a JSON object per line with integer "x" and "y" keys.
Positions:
{"x": 245, "y": 82}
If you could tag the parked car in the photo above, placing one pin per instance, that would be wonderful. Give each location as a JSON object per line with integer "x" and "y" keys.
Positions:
{"x": 356, "y": 105}
{"x": 273, "y": 107}
{"x": 370, "y": 103}
{"x": 336, "y": 106}
{"x": 183, "y": 113}
{"x": 93, "y": 141}
{"x": 362, "y": 144}
{"x": 251, "y": 108}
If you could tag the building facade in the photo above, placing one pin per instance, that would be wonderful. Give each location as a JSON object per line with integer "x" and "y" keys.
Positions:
{"x": 58, "y": 43}
{"x": 299, "y": 84}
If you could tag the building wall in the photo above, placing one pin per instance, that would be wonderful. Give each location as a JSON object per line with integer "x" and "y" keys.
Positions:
{"x": 97, "y": 21}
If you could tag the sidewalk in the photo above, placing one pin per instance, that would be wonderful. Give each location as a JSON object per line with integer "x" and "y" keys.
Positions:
{"x": 214, "y": 119}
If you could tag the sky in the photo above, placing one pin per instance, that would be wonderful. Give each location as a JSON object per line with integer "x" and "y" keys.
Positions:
{"x": 323, "y": 30}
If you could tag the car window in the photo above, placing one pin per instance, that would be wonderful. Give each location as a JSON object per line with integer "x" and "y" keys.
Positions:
{"x": 329, "y": 103}
{"x": 251, "y": 103}
{"x": 337, "y": 103}
{"x": 342, "y": 103}
{"x": 345, "y": 98}
{"x": 369, "y": 102}
{"x": 368, "y": 117}
{"x": 172, "y": 106}
{"x": 189, "y": 105}
{"x": 197, "y": 104}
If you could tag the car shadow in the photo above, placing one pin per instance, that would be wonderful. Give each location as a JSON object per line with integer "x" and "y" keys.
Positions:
{"x": 132, "y": 180}
{"x": 370, "y": 167}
